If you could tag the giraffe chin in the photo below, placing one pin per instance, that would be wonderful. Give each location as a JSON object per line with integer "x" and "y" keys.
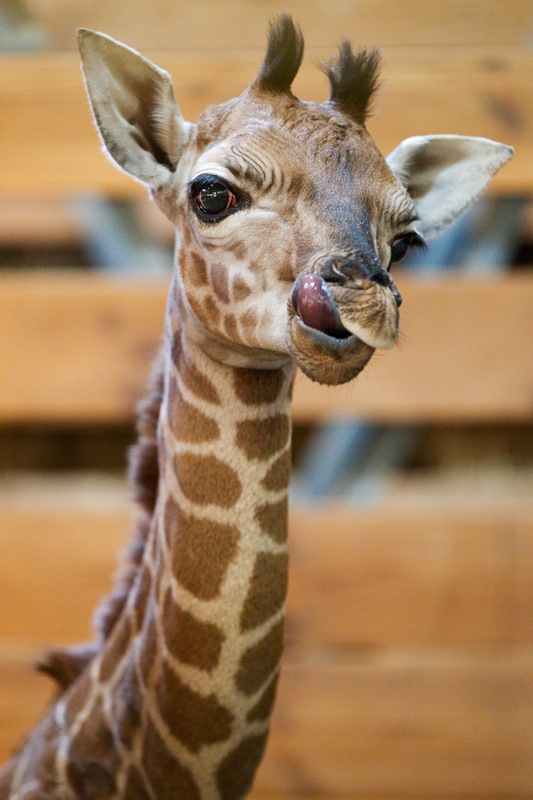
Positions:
{"x": 326, "y": 359}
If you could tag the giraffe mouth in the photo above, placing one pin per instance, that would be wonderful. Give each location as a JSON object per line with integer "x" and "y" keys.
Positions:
{"x": 313, "y": 302}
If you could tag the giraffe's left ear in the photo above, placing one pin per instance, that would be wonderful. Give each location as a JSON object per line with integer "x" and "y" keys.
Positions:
{"x": 134, "y": 107}
{"x": 444, "y": 174}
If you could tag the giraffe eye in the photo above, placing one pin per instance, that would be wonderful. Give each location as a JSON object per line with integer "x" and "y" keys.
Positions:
{"x": 212, "y": 197}
{"x": 402, "y": 244}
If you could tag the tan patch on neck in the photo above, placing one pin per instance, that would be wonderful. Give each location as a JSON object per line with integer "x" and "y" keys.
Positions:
{"x": 191, "y": 376}
{"x": 237, "y": 770}
{"x": 268, "y": 589}
{"x": 193, "y": 719}
{"x": 273, "y": 518}
{"x": 262, "y": 438}
{"x": 263, "y": 708}
{"x": 278, "y": 476}
{"x": 189, "y": 639}
{"x": 186, "y": 422}
{"x": 207, "y": 480}
{"x": 260, "y": 661}
{"x": 257, "y": 386}
{"x": 202, "y": 551}
{"x": 167, "y": 777}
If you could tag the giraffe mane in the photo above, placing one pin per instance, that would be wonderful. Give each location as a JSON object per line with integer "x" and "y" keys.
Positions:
{"x": 354, "y": 80}
{"x": 64, "y": 666}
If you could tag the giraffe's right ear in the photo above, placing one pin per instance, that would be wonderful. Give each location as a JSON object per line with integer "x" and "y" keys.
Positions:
{"x": 134, "y": 108}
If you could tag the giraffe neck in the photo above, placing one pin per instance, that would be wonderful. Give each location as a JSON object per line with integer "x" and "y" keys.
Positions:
{"x": 178, "y": 702}
{"x": 217, "y": 566}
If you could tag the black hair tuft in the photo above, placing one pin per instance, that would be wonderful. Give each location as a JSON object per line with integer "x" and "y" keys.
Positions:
{"x": 354, "y": 80}
{"x": 283, "y": 56}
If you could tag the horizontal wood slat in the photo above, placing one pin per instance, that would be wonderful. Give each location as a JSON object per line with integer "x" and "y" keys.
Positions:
{"x": 408, "y": 671}
{"x": 179, "y": 23}
{"x": 359, "y": 579}
{"x": 403, "y": 723}
{"x": 51, "y": 147}
{"x": 76, "y": 348}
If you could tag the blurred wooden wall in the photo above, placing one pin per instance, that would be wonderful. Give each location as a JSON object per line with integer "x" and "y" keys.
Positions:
{"x": 409, "y": 664}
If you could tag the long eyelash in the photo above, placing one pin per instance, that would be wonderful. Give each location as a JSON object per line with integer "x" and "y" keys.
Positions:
{"x": 417, "y": 242}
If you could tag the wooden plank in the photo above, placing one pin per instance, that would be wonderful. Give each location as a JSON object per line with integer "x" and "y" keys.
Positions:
{"x": 409, "y": 722}
{"x": 178, "y": 23}
{"x": 482, "y": 92}
{"x": 405, "y": 722}
{"x": 78, "y": 348}
{"x": 360, "y": 579}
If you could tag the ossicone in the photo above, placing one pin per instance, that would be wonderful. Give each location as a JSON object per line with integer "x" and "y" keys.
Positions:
{"x": 354, "y": 80}
{"x": 283, "y": 56}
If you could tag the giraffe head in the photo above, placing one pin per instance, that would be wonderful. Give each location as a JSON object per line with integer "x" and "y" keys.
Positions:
{"x": 288, "y": 218}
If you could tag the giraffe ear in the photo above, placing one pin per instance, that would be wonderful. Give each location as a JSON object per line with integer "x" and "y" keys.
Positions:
{"x": 444, "y": 174}
{"x": 134, "y": 108}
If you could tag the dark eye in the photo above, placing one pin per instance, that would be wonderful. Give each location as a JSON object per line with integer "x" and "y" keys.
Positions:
{"x": 402, "y": 244}
{"x": 212, "y": 197}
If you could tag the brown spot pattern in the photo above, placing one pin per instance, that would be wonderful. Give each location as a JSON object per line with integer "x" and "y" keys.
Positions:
{"x": 116, "y": 647}
{"x": 262, "y": 709}
{"x": 191, "y": 376}
{"x": 220, "y": 282}
{"x": 135, "y": 788}
{"x": 260, "y": 660}
{"x": 236, "y": 772}
{"x": 197, "y": 269}
{"x": 230, "y": 327}
{"x": 273, "y": 519}
{"x": 92, "y": 760}
{"x": 249, "y": 322}
{"x": 140, "y": 600}
{"x": 202, "y": 551}
{"x": 194, "y": 720}
{"x": 166, "y": 775}
{"x": 211, "y": 310}
{"x": 189, "y": 639}
{"x": 207, "y": 480}
{"x": 187, "y": 423}
{"x": 268, "y": 589}
{"x": 148, "y": 650}
{"x": 127, "y": 705}
{"x": 76, "y": 698}
{"x": 240, "y": 290}
{"x": 259, "y": 439}
{"x": 254, "y": 387}
{"x": 278, "y": 475}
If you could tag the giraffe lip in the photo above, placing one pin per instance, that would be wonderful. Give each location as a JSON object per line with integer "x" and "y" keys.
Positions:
{"x": 314, "y": 304}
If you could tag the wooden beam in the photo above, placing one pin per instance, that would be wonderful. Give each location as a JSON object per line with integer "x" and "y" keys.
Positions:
{"x": 178, "y": 24}
{"x": 78, "y": 348}
{"x": 51, "y": 147}
{"x": 408, "y": 723}
{"x": 359, "y": 579}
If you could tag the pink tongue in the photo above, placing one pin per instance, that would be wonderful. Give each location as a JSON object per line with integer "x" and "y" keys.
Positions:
{"x": 314, "y": 304}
